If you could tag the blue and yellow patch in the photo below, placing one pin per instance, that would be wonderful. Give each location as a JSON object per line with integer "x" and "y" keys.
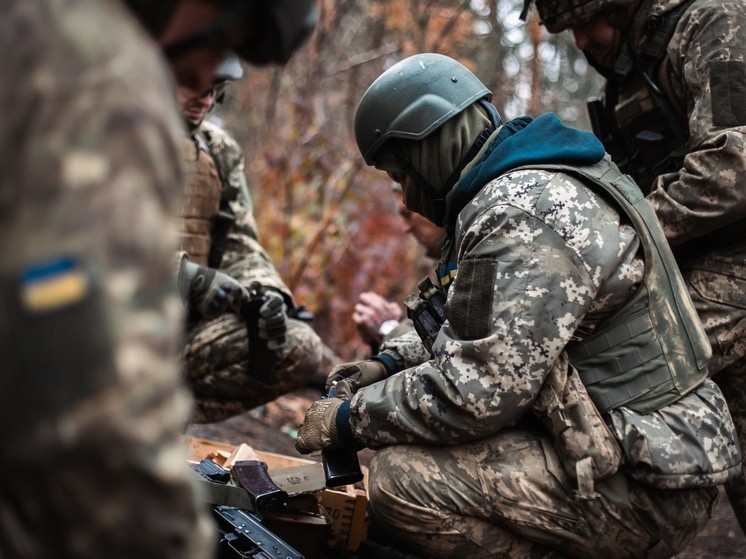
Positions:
{"x": 448, "y": 274}
{"x": 53, "y": 284}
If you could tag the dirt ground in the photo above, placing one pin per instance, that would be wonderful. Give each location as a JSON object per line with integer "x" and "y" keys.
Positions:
{"x": 273, "y": 427}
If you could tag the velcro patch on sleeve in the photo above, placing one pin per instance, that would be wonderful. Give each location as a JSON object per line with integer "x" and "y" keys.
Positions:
{"x": 727, "y": 86}
{"x": 471, "y": 303}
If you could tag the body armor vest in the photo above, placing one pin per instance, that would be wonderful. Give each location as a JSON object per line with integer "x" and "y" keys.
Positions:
{"x": 201, "y": 202}
{"x": 653, "y": 350}
{"x": 225, "y": 219}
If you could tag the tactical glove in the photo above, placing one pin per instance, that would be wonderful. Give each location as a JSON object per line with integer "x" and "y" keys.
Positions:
{"x": 348, "y": 378}
{"x": 210, "y": 292}
{"x": 273, "y": 319}
{"x": 319, "y": 429}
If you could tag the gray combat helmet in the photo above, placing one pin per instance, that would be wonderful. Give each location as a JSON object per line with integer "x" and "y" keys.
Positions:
{"x": 229, "y": 70}
{"x": 558, "y": 15}
{"x": 279, "y": 27}
{"x": 412, "y": 99}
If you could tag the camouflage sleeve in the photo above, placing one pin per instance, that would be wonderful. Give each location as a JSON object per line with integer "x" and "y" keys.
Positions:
{"x": 708, "y": 52}
{"x": 245, "y": 258}
{"x": 406, "y": 349}
{"x": 92, "y": 402}
{"x": 529, "y": 268}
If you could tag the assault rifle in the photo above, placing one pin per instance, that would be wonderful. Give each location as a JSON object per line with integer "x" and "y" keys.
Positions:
{"x": 427, "y": 311}
{"x": 240, "y": 531}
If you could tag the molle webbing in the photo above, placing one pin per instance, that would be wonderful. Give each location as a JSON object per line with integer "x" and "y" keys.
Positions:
{"x": 225, "y": 220}
{"x": 201, "y": 204}
{"x": 653, "y": 350}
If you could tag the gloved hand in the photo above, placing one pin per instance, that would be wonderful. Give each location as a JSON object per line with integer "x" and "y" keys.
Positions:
{"x": 273, "y": 319}
{"x": 210, "y": 292}
{"x": 348, "y": 378}
{"x": 319, "y": 429}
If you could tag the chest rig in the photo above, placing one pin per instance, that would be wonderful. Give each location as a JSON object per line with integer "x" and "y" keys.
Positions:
{"x": 201, "y": 201}
{"x": 641, "y": 120}
{"x": 225, "y": 218}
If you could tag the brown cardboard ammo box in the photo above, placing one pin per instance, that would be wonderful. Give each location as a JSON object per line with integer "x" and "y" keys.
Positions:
{"x": 346, "y": 506}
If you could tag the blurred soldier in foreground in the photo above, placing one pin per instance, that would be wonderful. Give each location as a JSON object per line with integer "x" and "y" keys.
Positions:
{"x": 378, "y": 319}
{"x": 219, "y": 237}
{"x": 92, "y": 405}
{"x": 673, "y": 116}
{"x": 565, "y": 409}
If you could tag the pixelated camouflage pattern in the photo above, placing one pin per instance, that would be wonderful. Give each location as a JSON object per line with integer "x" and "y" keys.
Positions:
{"x": 92, "y": 466}
{"x": 407, "y": 349}
{"x": 244, "y": 258}
{"x": 230, "y": 161}
{"x": 496, "y": 355}
{"x": 702, "y": 205}
{"x": 216, "y": 352}
{"x": 706, "y": 52}
{"x": 507, "y": 496}
{"x": 216, "y": 357}
{"x": 546, "y": 260}
{"x": 670, "y": 432}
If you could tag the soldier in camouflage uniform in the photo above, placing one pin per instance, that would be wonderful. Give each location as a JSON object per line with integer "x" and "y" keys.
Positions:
{"x": 673, "y": 116}
{"x": 564, "y": 409}
{"x": 218, "y": 231}
{"x": 92, "y": 402}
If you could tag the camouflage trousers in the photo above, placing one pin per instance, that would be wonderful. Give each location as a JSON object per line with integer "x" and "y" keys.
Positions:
{"x": 508, "y": 497}
{"x": 216, "y": 357}
{"x": 720, "y": 300}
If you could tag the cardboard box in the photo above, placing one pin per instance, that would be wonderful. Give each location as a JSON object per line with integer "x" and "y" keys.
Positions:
{"x": 347, "y": 506}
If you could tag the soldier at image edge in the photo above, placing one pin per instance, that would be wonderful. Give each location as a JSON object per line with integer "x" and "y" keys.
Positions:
{"x": 92, "y": 401}
{"x": 672, "y": 115}
{"x": 556, "y": 402}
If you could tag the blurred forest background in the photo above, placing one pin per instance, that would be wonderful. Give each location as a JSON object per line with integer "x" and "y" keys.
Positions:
{"x": 331, "y": 223}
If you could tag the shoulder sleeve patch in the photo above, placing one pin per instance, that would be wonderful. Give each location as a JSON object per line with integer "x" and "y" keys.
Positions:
{"x": 727, "y": 86}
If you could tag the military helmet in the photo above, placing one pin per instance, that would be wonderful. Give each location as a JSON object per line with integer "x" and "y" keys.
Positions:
{"x": 229, "y": 70}
{"x": 412, "y": 99}
{"x": 558, "y": 15}
{"x": 279, "y": 27}
{"x": 152, "y": 15}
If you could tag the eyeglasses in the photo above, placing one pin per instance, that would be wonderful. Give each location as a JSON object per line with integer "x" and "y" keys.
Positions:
{"x": 216, "y": 90}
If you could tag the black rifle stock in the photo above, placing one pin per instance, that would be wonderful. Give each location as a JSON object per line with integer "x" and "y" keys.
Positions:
{"x": 341, "y": 467}
{"x": 262, "y": 360}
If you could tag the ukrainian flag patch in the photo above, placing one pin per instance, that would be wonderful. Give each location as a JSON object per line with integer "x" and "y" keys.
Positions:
{"x": 53, "y": 284}
{"x": 448, "y": 274}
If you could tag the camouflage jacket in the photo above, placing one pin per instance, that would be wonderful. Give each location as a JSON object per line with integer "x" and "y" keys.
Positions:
{"x": 92, "y": 401}
{"x": 244, "y": 258}
{"x": 542, "y": 260}
{"x": 706, "y": 65}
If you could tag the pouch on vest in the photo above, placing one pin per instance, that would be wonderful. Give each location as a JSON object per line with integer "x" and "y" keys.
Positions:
{"x": 689, "y": 443}
{"x": 578, "y": 430}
